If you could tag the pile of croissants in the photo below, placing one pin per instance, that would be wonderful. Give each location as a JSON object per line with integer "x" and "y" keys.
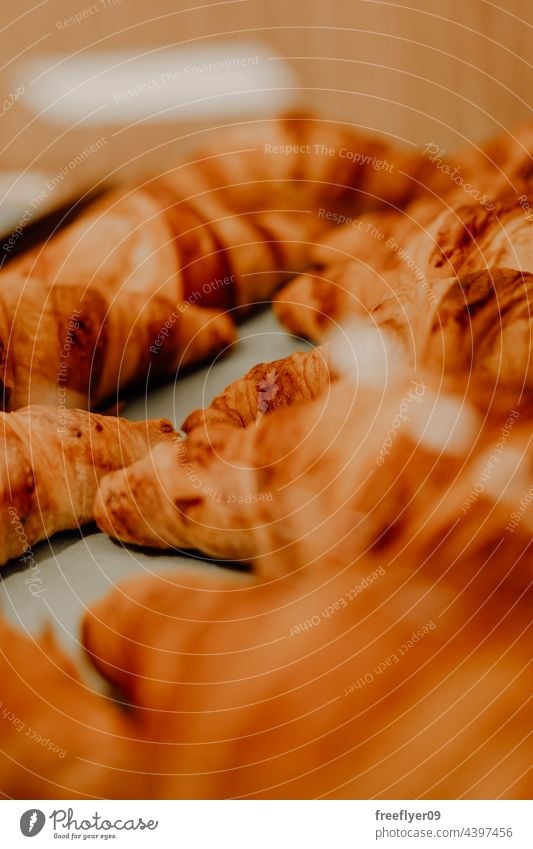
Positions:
{"x": 375, "y": 491}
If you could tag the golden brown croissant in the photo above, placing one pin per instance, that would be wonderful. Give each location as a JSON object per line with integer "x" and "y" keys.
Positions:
{"x": 494, "y": 178}
{"x": 51, "y": 462}
{"x": 98, "y": 307}
{"x": 478, "y": 321}
{"x": 378, "y": 680}
{"x": 263, "y": 493}
{"x": 300, "y": 377}
{"x": 139, "y": 282}
{"x": 412, "y": 255}
{"x": 284, "y": 692}
{"x": 479, "y": 325}
{"x": 386, "y": 654}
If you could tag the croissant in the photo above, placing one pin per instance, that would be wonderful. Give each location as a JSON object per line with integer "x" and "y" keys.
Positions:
{"x": 482, "y": 182}
{"x": 411, "y": 254}
{"x": 278, "y": 703}
{"x": 392, "y": 677}
{"x": 146, "y": 279}
{"x": 98, "y": 307}
{"x": 478, "y": 321}
{"x": 388, "y": 511}
{"x": 51, "y": 462}
{"x": 478, "y": 324}
{"x": 262, "y": 492}
{"x": 300, "y": 377}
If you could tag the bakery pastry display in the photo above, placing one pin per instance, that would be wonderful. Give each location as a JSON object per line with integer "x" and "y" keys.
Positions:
{"x": 476, "y": 217}
{"x": 264, "y": 493}
{"x": 374, "y": 491}
{"x": 149, "y": 278}
{"x": 410, "y": 262}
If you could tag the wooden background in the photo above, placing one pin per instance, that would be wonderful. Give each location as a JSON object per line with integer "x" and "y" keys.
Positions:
{"x": 421, "y": 70}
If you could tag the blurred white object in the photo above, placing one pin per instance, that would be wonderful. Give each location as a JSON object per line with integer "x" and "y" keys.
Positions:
{"x": 361, "y": 352}
{"x": 226, "y": 78}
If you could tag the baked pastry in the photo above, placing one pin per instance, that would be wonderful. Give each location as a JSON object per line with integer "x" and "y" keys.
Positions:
{"x": 386, "y": 512}
{"x": 264, "y": 492}
{"x": 52, "y": 460}
{"x": 300, "y": 377}
{"x": 386, "y": 653}
{"x": 391, "y": 676}
{"x": 411, "y": 260}
{"x": 149, "y": 278}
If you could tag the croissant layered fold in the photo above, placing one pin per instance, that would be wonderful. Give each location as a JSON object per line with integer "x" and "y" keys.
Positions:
{"x": 149, "y": 278}
{"x": 379, "y": 269}
{"x": 377, "y": 488}
{"x": 325, "y": 478}
{"x": 385, "y": 653}
{"x": 479, "y": 322}
{"x": 51, "y": 462}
